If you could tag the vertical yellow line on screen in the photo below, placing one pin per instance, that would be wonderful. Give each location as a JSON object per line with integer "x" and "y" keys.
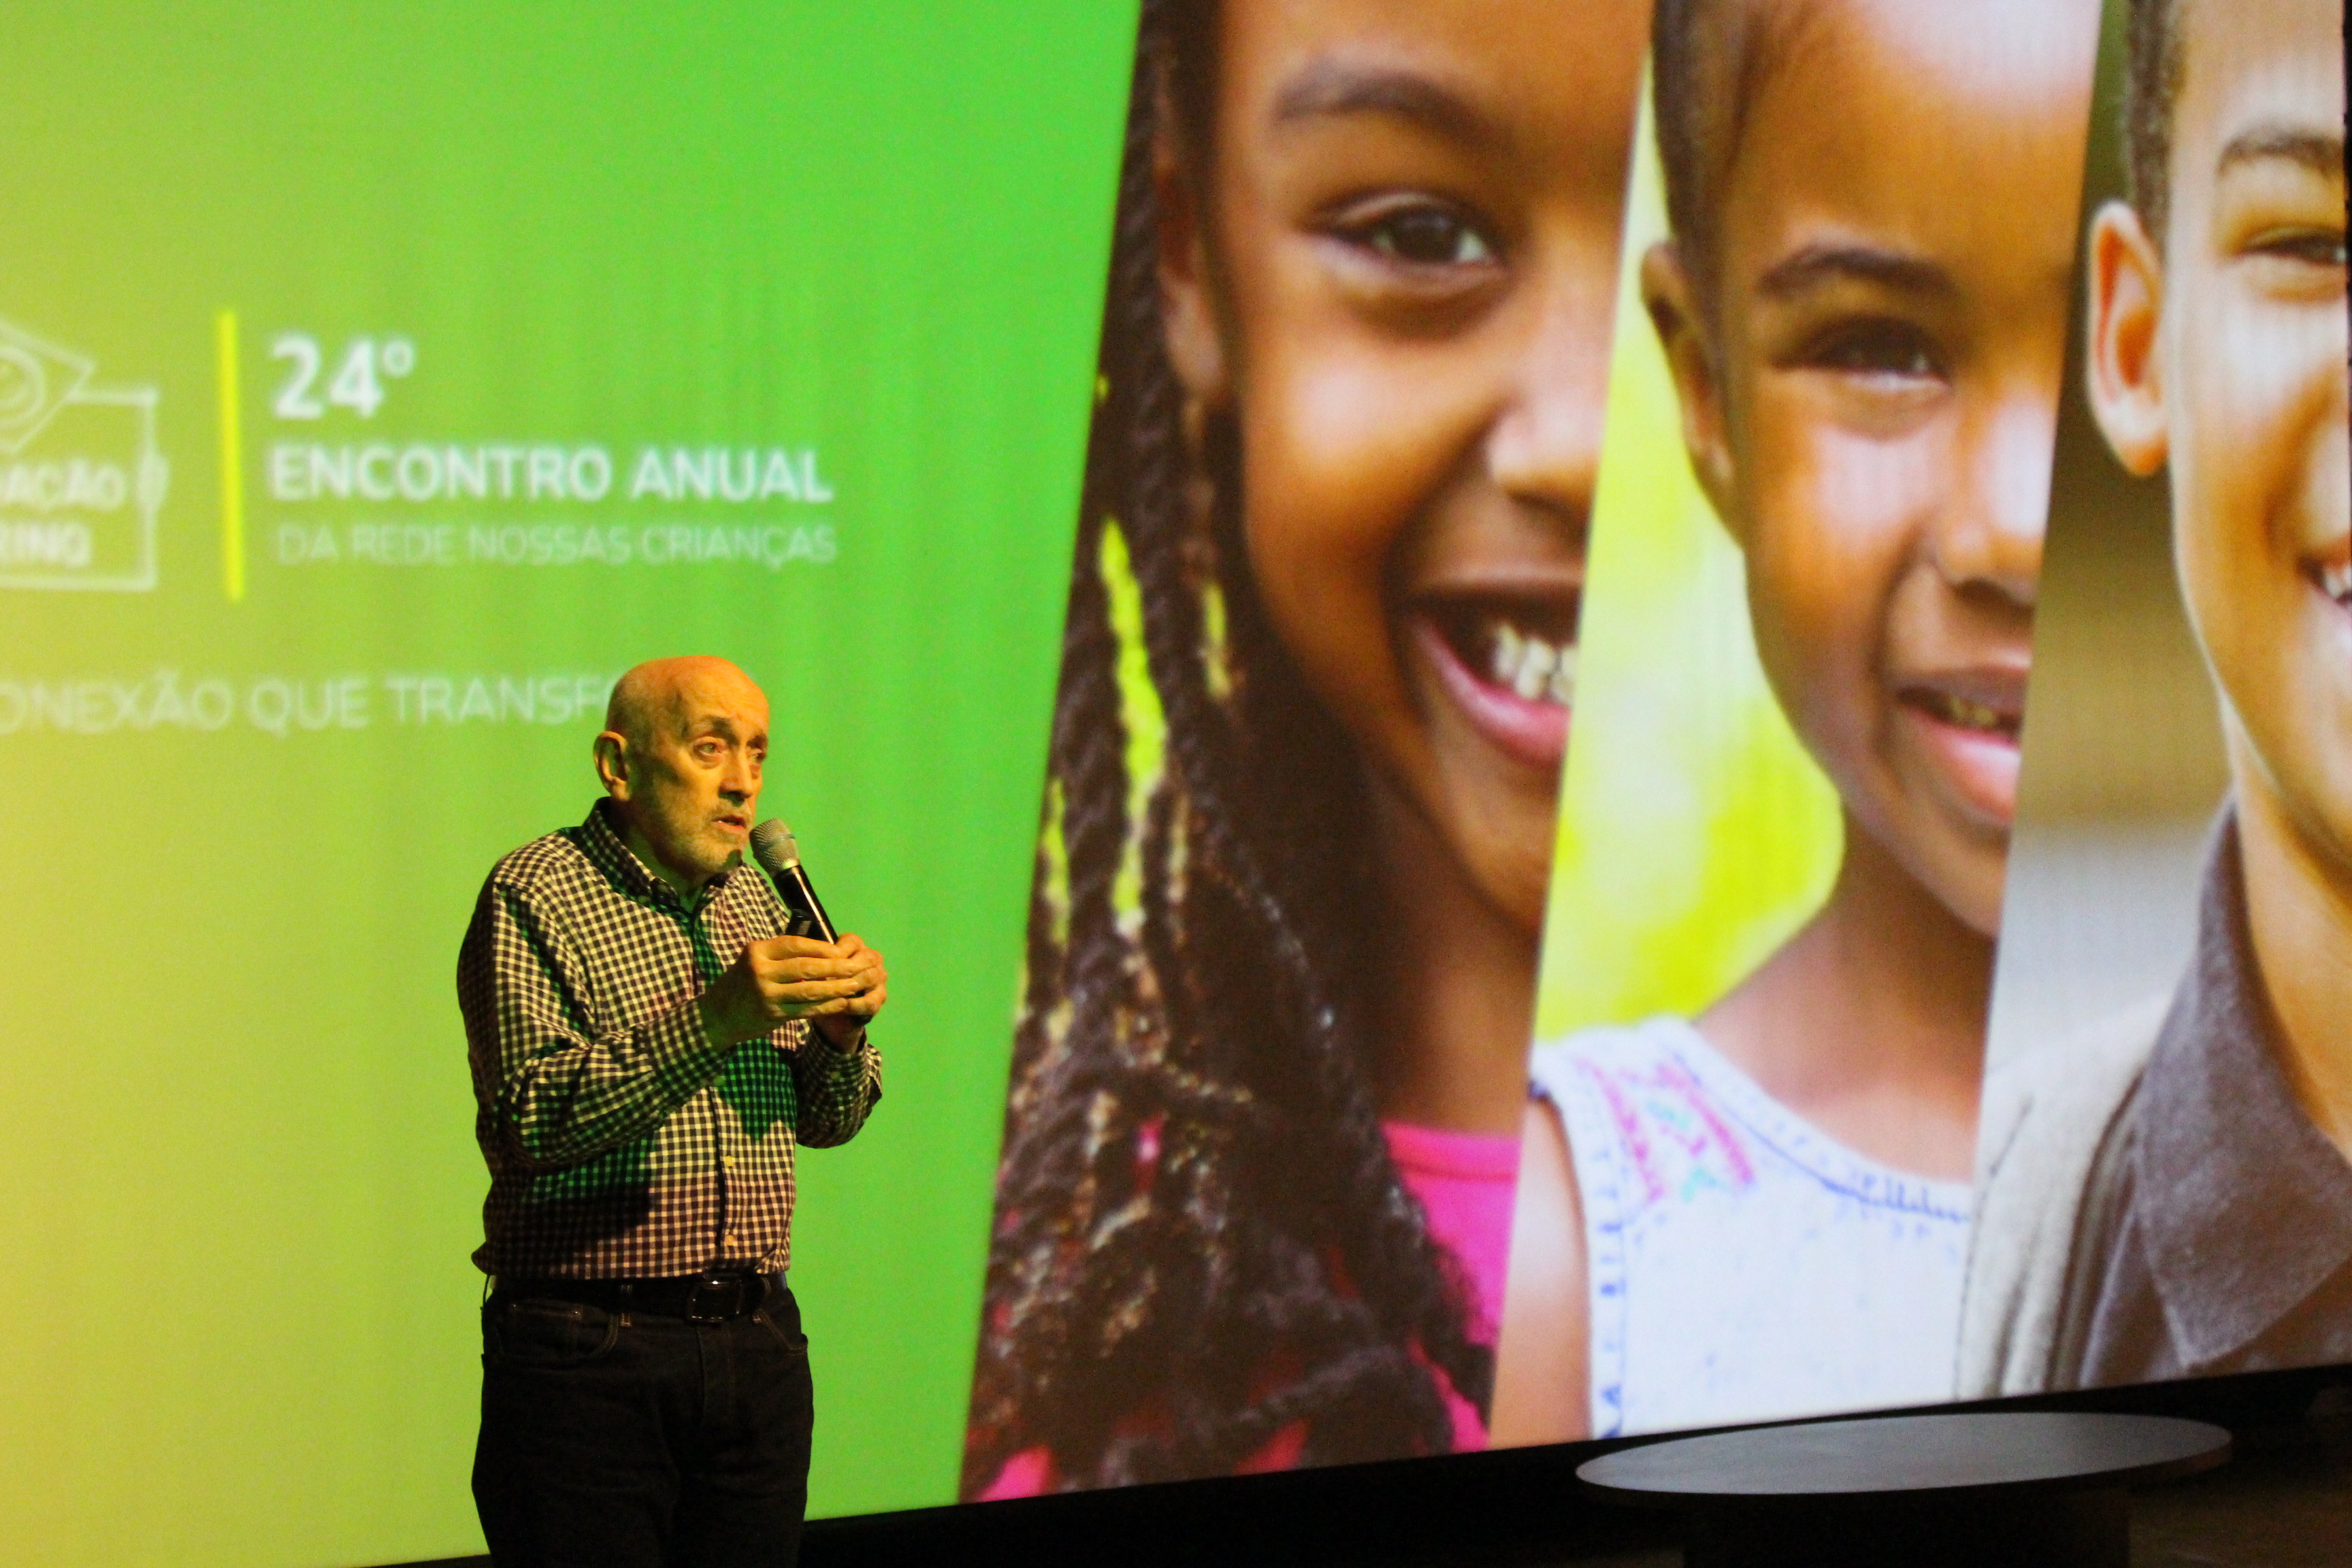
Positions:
{"x": 232, "y": 459}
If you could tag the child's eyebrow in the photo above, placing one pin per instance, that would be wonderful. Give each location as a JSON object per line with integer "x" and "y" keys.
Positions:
{"x": 2321, "y": 151}
{"x": 1328, "y": 87}
{"x": 1815, "y": 265}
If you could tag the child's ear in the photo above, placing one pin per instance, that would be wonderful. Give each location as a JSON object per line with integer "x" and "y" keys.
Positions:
{"x": 1189, "y": 319}
{"x": 2127, "y": 366}
{"x": 1672, "y": 299}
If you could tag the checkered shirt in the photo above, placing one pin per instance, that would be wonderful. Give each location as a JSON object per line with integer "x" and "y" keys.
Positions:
{"x": 622, "y": 1143}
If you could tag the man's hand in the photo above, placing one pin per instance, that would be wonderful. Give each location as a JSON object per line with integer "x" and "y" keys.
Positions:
{"x": 837, "y": 985}
{"x": 843, "y": 1028}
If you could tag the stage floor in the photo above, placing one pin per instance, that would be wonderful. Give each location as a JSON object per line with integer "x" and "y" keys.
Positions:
{"x": 2284, "y": 1501}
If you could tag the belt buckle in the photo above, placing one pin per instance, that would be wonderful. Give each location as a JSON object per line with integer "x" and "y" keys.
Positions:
{"x": 696, "y": 1312}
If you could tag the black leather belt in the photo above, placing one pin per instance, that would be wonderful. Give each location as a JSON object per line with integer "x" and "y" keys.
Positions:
{"x": 698, "y": 1298}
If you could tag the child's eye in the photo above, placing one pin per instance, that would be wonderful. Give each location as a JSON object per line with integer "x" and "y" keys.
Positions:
{"x": 1432, "y": 236}
{"x": 1422, "y": 234}
{"x": 1878, "y": 348}
{"x": 2311, "y": 247}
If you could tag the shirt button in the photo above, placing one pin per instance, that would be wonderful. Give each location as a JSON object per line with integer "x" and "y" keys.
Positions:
{"x": 726, "y": 1162}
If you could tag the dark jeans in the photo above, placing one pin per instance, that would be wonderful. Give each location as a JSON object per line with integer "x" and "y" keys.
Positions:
{"x": 644, "y": 1441}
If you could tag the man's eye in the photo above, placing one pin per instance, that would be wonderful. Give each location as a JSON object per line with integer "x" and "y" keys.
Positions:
{"x": 1424, "y": 236}
{"x": 1881, "y": 347}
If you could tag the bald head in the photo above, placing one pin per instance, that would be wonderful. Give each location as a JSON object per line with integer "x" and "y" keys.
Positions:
{"x": 655, "y": 696}
{"x": 684, "y": 745}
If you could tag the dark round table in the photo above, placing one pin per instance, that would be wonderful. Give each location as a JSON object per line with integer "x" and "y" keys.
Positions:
{"x": 2021, "y": 1489}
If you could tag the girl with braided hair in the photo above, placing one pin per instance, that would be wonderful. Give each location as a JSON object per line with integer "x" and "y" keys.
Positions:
{"x": 1270, "y": 1065}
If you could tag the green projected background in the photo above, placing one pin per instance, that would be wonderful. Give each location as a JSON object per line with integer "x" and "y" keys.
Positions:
{"x": 376, "y": 382}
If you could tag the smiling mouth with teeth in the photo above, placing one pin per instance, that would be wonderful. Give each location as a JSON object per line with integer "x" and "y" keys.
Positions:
{"x": 1528, "y": 653}
{"x": 1533, "y": 669}
{"x": 1964, "y": 713}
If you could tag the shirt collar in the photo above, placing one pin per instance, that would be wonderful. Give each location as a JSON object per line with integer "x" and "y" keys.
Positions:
{"x": 609, "y": 852}
{"x": 2246, "y": 1207}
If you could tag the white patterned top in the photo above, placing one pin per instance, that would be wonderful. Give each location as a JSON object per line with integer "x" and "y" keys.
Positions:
{"x": 1744, "y": 1266}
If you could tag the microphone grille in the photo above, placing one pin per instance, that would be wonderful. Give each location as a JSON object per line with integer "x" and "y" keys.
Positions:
{"x": 773, "y": 846}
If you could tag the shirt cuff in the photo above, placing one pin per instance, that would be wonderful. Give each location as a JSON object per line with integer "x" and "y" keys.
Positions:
{"x": 849, "y": 1052}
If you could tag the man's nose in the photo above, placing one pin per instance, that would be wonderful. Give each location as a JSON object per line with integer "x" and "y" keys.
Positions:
{"x": 1544, "y": 448}
{"x": 1990, "y": 531}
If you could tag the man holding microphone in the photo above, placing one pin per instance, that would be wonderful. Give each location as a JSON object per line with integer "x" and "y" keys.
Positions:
{"x": 648, "y": 1050}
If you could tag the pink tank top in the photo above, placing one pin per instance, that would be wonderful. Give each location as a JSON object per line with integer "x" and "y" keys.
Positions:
{"x": 1465, "y": 1182}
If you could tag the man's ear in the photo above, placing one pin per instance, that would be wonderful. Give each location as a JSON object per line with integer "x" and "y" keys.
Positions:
{"x": 2127, "y": 360}
{"x": 1672, "y": 299}
{"x": 613, "y": 764}
{"x": 1188, "y": 306}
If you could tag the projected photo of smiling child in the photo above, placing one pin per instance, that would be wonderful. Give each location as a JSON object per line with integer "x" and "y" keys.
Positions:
{"x": 2167, "y": 1192}
{"x": 1762, "y": 1211}
{"x": 1268, "y": 1080}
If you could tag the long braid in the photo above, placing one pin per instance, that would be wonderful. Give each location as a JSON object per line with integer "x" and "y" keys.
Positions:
{"x": 1290, "y": 816}
{"x": 1071, "y": 994}
{"x": 1200, "y": 1236}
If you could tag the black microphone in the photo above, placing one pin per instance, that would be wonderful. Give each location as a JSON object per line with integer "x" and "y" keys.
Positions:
{"x": 780, "y": 857}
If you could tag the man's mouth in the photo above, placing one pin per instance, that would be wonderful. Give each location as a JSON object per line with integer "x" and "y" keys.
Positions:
{"x": 1509, "y": 662}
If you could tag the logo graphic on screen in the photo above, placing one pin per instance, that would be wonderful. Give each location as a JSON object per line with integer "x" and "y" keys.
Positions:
{"x": 80, "y": 478}
{"x": 36, "y": 379}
